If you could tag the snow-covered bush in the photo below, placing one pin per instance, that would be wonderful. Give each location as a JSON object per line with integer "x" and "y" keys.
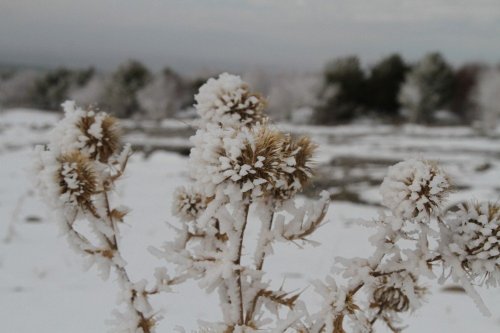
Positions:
{"x": 246, "y": 171}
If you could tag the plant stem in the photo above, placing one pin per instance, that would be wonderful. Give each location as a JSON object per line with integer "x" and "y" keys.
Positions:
{"x": 237, "y": 262}
{"x": 122, "y": 272}
{"x": 261, "y": 257}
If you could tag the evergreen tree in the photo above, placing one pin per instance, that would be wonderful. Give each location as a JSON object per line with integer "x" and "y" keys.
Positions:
{"x": 427, "y": 88}
{"x": 465, "y": 83}
{"x": 121, "y": 91}
{"x": 384, "y": 83}
{"x": 55, "y": 86}
{"x": 52, "y": 89}
{"x": 343, "y": 91}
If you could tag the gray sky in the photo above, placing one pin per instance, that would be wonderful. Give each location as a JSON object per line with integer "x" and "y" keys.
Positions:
{"x": 227, "y": 34}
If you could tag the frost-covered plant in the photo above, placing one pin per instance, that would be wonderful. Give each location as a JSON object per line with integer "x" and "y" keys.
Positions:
{"x": 76, "y": 175}
{"x": 227, "y": 101}
{"x": 473, "y": 240}
{"x": 245, "y": 171}
{"x": 416, "y": 239}
{"x": 415, "y": 189}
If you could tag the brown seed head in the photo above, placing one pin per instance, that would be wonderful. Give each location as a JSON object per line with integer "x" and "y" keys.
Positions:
{"x": 415, "y": 189}
{"x": 189, "y": 204}
{"x": 77, "y": 179}
{"x": 435, "y": 199}
{"x": 263, "y": 154}
{"x": 103, "y": 143}
{"x": 295, "y": 177}
{"x": 250, "y": 107}
{"x": 389, "y": 296}
{"x": 476, "y": 237}
{"x": 305, "y": 150}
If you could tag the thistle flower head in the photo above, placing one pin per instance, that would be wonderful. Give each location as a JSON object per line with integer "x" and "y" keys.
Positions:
{"x": 248, "y": 157}
{"x": 390, "y": 298}
{"x": 398, "y": 292}
{"x": 415, "y": 189}
{"x": 95, "y": 134}
{"x": 296, "y": 166}
{"x": 77, "y": 180}
{"x": 476, "y": 240}
{"x": 188, "y": 204}
{"x": 262, "y": 152}
{"x": 100, "y": 135}
{"x": 228, "y": 102}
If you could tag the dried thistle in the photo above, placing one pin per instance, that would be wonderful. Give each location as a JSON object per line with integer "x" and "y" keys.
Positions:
{"x": 305, "y": 150}
{"x": 296, "y": 166}
{"x": 392, "y": 292}
{"x": 476, "y": 239}
{"x": 415, "y": 189}
{"x": 188, "y": 203}
{"x": 77, "y": 179}
{"x": 102, "y": 135}
{"x": 248, "y": 106}
{"x": 228, "y": 101}
{"x": 263, "y": 155}
{"x": 390, "y": 298}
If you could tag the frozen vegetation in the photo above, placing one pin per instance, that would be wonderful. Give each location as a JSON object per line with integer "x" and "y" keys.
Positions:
{"x": 44, "y": 278}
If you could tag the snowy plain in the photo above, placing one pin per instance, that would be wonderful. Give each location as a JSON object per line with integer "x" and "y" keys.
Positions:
{"x": 44, "y": 288}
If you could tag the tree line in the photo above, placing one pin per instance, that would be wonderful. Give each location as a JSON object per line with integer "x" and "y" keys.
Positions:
{"x": 401, "y": 91}
{"x": 392, "y": 89}
{"x": 131, "y": 90}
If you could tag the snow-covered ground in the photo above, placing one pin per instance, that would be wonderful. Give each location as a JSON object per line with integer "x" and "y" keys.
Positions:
{"x": 43, "y": 287}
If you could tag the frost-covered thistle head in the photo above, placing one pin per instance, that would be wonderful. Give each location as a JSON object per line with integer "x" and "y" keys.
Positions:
{"x": 398, "y": 292}
{"x": 248, "y": 158}
{"x": 101, "y": 135}
{"x": 228, "y": 102}
{"x": 475, "y": 240}
{"x": 95, "y": 134}
{"x": 296, "y": 165}
{"x": 262, "y": 152}
{"x": 188, "y": 203}
{"x": 415, "y": 189}
{"x": 77, "y": 180}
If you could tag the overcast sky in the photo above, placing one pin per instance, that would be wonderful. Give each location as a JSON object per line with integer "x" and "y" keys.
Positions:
{"x": 229, "y": 34}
